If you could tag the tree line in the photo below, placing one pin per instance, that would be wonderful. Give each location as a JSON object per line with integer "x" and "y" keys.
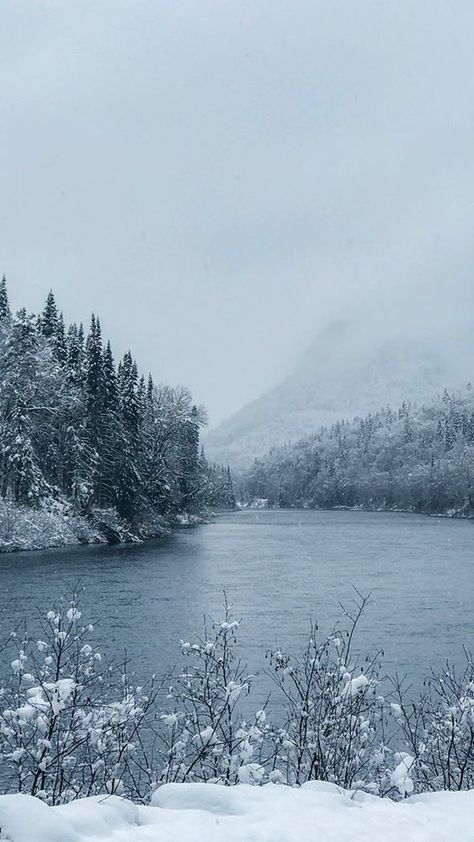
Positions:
{"x": 76, "y": 427}
{"x": 415, "y": 458}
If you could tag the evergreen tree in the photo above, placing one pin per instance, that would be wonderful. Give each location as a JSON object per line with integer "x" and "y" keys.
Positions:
{"x": 75, "y": 353}
{"x": 75, "y": 428}
{"x": 110, "y": 380}
{"x": 110, "y": 439}
{"x": 19, "y": 471}
{"x": 59, "y": 341}
{"x": 94, "y": 397}
{"x": 49, "y": 317}
{"x": 189, "y": 458}
{"x": 94, "y": 364}
{"x": 128, "y": 480}
{"x": 5, "y": 312}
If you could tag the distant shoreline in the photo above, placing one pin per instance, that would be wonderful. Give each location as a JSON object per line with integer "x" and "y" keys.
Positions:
{"x": 455, "y": 515}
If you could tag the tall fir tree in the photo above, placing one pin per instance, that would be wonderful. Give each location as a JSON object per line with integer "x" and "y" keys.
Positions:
{"x": 49, "y": 317}
{"x": 5, "y": 312}
{"x": 75, "y": 427}
{"x": 128, "y": 476}
{"x": 59, "y": 341}
{"x": 19, "y": 470}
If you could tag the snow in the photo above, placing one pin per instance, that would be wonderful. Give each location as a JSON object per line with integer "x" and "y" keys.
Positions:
{"x": 400, "y": 776}
{"x": 356, "y": 685}
{"x": 211, "y": 813}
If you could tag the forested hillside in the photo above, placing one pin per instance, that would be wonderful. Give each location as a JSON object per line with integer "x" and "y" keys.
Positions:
{"x": 92, "y": 447}
{"x": 353, "y": 367}
{"x": 415, "y": 459}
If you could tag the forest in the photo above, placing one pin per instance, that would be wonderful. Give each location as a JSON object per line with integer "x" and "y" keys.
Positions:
{"x": 417, "y": 458}
{"x": 90, "y": 449}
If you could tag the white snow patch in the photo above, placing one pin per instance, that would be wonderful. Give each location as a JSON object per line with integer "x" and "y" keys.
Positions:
{"x": 213, "y": 813}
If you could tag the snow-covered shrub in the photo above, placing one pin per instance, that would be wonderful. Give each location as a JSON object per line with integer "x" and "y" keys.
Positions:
{"x": 205, "y": 737}
{"x": 438, "y": 730}
{"x": 58, "y": 736}
{"x": 72, "y": 726}
{"x": 334, "y": 716}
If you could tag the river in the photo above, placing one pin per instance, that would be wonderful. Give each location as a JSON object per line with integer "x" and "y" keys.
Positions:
{"x": 279, "y": 568}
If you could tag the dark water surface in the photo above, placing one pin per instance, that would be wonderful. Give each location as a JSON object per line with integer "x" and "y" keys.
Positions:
{"x": 279, "y": 568}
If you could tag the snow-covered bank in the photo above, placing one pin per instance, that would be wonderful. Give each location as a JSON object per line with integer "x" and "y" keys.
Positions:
{"x": 24, "y": 528}
{"x": 212, "y": 813}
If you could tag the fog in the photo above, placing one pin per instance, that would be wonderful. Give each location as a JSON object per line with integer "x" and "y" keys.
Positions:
{"x": 218, "y": 180}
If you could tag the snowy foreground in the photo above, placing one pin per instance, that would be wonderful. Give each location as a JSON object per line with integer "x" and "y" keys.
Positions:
{"x": 317, "y": 812}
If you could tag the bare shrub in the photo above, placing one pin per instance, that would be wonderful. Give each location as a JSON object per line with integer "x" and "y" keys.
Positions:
{"x": 72, "y": 725}
{"x": 438, "y": 729}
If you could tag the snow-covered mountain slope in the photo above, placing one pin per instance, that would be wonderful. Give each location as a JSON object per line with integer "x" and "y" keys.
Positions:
{"x": 351, "y": 369}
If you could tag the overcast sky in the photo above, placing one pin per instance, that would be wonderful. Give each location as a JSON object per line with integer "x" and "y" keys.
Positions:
{"x": 218, "y": 179}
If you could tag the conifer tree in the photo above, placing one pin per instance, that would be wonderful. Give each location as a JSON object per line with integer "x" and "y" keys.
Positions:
{"x": 20, "y": 473}
{"x": 74, "y": 427}
{"x": 128, "y": 483}
{"x": 94, "y": 397}
{"x": 94, "y": 372}
{"x": 110, "y": 437}
{"x": 59, "y": 341}
{"x": 150, "y": 387}
{"x": 189, "y": 468}
{"x": 75, "y": 355}
{"x": 49, "y": 317}
{"x": 5, "y": 312}
{"x": 110, "y": 380}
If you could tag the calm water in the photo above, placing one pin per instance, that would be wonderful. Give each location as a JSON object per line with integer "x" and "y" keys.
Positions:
{"x": 279, "y": 568}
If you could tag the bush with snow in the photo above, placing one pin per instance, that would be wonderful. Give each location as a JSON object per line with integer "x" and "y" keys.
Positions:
{"x": 74, "y": 726}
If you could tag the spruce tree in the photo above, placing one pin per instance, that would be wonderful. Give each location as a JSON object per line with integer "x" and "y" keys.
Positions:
{"x": 150, "y": 387}
{"x": 49, "y": 317}
{"x": 59, "y": 341}
{"x": 73, "y": 425}
{"x": 19, "y": 470}
{"x": 189, "y": 462}
{"x": 94, "y": 398}
{"x": 94, "y": 371}
{"x": 128, "y": 478}
{"x": 110, "y": 380}
{"x": 75, "y": 355}
{"x": 5, "y": 312}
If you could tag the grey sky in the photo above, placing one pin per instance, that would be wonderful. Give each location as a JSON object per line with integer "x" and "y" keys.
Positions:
{"x": 217, "y": 179}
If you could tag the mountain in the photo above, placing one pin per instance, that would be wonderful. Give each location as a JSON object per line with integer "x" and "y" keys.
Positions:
{"x": 351, "y": 369}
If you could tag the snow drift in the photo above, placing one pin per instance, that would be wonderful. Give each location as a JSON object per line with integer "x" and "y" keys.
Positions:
{"x": 212, "y": 813}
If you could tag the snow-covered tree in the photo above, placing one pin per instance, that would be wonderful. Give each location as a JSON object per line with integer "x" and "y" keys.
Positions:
{"x": 75, "y": 429}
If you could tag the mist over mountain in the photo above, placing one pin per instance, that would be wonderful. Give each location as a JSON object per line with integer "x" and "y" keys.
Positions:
{"x": 351, "y": 368}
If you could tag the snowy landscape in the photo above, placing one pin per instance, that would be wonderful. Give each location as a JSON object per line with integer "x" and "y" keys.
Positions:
{"x": 236, "y": 421}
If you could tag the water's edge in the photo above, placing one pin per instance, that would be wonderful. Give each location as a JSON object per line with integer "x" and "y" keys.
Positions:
{"x": 207, "y": 517}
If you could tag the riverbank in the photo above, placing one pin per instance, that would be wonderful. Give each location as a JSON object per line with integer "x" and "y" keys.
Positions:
{"x": 57, "y": 525}
{"x": 466, "y": 513}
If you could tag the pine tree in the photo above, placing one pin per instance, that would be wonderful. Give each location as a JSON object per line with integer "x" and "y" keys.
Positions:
{"x": 5, "y": 312}
{"x": 128, "y": 480}
{"x": 150, "y": 388}
{"x": 19, "y": 470}
{"x": 94, "y": 397}
{"x": 110, "y": 437}
{"x": 189, "y": 462}
{"x": 94, "y": 372}
{"x": 110, "y": 380}
{"x": 59, "y": 341}
{"x": 75, "y": 354}
{"x": 73, "y": 425}
{"x": 49, "y": 317}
